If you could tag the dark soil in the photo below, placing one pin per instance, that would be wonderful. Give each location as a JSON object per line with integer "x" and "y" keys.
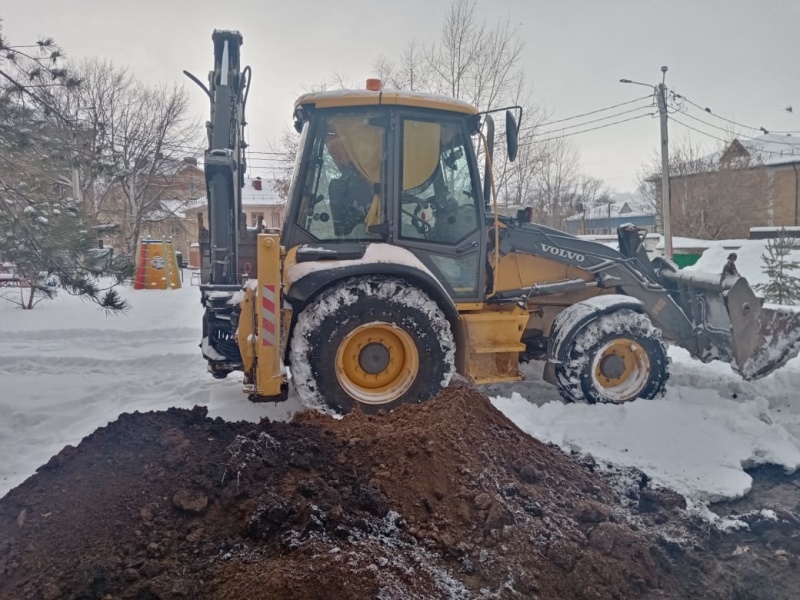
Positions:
{"x": 444, "y": 500}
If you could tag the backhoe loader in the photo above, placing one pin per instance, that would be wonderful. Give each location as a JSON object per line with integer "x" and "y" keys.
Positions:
{"x": 393, "y": 269}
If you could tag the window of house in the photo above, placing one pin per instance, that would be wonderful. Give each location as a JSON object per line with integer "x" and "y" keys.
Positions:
{"x": 255, "y": 218}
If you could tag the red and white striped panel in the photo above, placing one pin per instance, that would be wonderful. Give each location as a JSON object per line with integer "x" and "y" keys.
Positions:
{"x": 269, "y": 315}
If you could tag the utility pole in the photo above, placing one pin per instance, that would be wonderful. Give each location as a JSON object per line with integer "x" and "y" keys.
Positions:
{"x": 661, "y": 99}
{"x": 661, "y": 96}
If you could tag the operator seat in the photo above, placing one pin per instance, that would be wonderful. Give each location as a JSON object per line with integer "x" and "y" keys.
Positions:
{"x": 341, "y": 211}
{"x": 350, "y": 197}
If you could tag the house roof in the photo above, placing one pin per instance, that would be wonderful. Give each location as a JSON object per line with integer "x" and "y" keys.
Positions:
{"x": 266, "y": 196}
{"x": 772, "y": 148}
{"x": 617, "y": 210}
{"x": 251, "y": 196}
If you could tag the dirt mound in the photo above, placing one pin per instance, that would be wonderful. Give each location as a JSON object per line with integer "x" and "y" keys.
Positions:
{"x": 444, "y": 500}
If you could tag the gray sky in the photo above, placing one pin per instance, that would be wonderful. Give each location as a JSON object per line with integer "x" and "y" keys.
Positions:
{"x": 738, "y": 57}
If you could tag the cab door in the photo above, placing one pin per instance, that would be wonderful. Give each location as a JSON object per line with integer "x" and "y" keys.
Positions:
{"x": 438, "y": 208}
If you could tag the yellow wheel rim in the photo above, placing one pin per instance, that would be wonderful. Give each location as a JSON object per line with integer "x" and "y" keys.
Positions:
{"x": 621, "y": 369}
{"x": 377, "y": 363}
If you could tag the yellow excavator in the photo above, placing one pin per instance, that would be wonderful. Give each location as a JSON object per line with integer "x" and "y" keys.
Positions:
{"x": 393, "y": 269}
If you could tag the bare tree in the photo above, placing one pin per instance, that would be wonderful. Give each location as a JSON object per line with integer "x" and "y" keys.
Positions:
{"x": 555, "y": 183}
{"x": 481, "y": 63}
{"x": 410, "y": 72}
{"x": 713, "y": 195}
{"x": 133, "y": 141}
{"x": 286, "y": 150}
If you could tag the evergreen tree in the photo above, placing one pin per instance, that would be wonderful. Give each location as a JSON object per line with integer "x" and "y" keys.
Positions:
{"x": 783, "y": 286}
{"x": 43, "y": 232}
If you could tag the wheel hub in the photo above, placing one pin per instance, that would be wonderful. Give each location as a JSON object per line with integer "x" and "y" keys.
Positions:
{"x": 374, "y": 358}
{"x": 612, "y": 366}
{"x": 621, "y": 369}
{"x": 377, "y": 363}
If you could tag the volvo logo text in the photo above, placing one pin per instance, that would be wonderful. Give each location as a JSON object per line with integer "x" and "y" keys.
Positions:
{"x": 576, "y": 256}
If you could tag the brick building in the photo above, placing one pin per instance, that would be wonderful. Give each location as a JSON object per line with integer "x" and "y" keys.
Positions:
{"x": 753, "y": 182}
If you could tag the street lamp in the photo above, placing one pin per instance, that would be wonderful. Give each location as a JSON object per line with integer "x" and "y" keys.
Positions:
{"x": 660, "y": 92}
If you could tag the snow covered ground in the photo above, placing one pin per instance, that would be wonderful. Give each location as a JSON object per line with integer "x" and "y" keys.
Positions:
{"x": 697, "y": 440}
{"x": 66, "y": 368}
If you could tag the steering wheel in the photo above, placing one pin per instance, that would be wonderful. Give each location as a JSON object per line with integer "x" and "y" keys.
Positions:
{"x": 421, "y": 226}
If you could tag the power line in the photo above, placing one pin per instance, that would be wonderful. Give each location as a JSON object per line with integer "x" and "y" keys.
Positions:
{"x": 591, "y": 112}
{"x": 699, "y": 131}
{"x": 705, "y": 109}
{"x": 558, "y": 137}
{"x": 619, "y": 114}
{"x": 705, "y": 133}
{"x": 746, "y": 137}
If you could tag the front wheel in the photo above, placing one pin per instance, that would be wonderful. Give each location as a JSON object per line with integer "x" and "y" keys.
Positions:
{"x": 377, "y": 342}
{"x": 613, "y": 358}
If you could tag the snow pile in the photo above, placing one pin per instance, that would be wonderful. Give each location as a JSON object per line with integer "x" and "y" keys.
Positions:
{"x": 748, "y": 263}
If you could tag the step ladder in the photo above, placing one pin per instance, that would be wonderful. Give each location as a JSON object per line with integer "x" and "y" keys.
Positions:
{"x": 494, "y": 343}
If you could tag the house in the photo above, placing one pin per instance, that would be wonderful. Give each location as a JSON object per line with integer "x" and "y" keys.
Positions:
{"x": 185, "y": 189}
{"x": 176, "y": 186}
{"x": 260, "y": 203}
{"x": 604, "y": 219}
{"x": 752, "y": 182}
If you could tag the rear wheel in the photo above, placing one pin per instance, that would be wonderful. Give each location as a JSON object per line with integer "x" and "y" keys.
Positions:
{"x": 614, "y": 358}
{"x": 377, "y": 342}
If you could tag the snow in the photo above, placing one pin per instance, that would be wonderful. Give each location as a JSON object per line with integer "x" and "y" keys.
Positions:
{"x": 685, "y": 243}
{"x": 773, "y": 148}
{"x": 67, "y": 368}
{"x": 748, "y": 260}
{"x": 251, "y": 197}
{"x": 774, "y": 229}
{"x": 698, "y": 439}
{"x": 374, "y": 253}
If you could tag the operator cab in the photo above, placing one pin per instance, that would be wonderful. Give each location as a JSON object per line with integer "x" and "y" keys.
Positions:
{"x": 399, "y": 168}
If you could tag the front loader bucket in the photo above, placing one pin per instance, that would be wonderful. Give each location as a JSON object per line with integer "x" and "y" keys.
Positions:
{"x": 731, "y": 324}
{"x": 763, "y": 338}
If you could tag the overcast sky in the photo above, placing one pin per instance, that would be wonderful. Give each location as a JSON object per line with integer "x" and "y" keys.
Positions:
{"x": 738, "y": 57}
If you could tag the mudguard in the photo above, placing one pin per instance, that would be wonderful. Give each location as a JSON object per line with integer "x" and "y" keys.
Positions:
{"x": 304, "y": 279}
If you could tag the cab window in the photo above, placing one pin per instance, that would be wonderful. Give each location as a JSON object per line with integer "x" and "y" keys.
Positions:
{"x": 439, "y": 202}
{"x": 341, "y": 197}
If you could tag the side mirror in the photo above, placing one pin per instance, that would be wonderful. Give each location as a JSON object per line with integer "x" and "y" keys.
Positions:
{"x": 512, "y": 136}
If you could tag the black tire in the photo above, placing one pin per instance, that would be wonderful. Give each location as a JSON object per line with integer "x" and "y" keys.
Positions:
{"x": 598, "y": 349}
{"x": 329, "y": 324}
